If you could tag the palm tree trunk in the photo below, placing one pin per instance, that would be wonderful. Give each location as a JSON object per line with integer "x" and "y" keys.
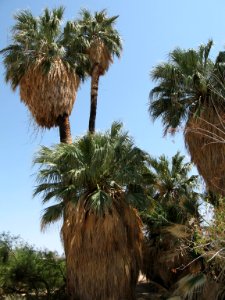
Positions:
{"x": 64, "y": 129}
{"x": 104, "y": 255}
{"x": 65, "y": 137}
{"x": 94, "y": 95}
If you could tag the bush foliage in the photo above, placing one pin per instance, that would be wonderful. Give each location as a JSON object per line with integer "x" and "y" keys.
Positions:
{"x": 29, "y": 272}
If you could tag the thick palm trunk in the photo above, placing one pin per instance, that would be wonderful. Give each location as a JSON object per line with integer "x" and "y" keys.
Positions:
{"x": 64, "y": 129}
{"x": 103, "y": 252}
{"x": 94, "y": 96}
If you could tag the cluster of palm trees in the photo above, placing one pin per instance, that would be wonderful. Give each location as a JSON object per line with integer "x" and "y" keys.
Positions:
{"x": 93, "y": 178}
{"x": 47, "y": 62}
{"x": 101, "y": 180}
{"x": 169, "y": 220}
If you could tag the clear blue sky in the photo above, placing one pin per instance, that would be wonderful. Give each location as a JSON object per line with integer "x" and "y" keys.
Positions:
{"x": 150, "y": 29}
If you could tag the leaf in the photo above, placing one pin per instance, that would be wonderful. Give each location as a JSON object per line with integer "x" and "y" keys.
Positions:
{"x": 89, "y": 166}
{"x": 52, "y": 214}
{"x": 99, "y": 201}
{"x": 190, "y": 284}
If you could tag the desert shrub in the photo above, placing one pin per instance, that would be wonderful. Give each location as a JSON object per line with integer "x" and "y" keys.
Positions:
{"x": 25, "y": 270}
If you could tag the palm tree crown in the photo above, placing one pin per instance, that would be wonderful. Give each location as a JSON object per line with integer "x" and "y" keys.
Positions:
{"x": 185, "y": 83}
{"x": 39, "y": 61}
{"x": 98, "y": 168}
{"x": 191, "y": 89}
{"x": 174, "y": 191}
{"x": 102, "y": 39}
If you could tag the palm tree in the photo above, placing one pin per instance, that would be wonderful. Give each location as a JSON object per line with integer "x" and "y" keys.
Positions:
{"x": 102, "y": 43}
{"x": 45, "y": 67}
{"x": 173, "y": 206}
{"x": 174, "y": 189}
{"x": 190, "y": 90}
{"x": 102, "y": 235}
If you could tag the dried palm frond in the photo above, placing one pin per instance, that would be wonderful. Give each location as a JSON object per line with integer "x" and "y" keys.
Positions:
{"x": 205, "y": 140}
{"x": 177, "y": 230}
{"x": 99, "y": 261}
{"x": 163, "y": 259}
{"x": 100, "y": 55}
{"x": 46, "y": 62}
{"x": 191, "y": 286}
{"x": 103, "y": 41}
{"x": 198, "y": 287}
{"x": 49, "y": 95}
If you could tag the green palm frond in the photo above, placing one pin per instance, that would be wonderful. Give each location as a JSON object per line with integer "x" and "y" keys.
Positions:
{"x": 43, "y": 38}
{"x": 98, "y": 27}
{"x": 190, "y": 285}
{"x": 137, "y": 197}
{"x": 98, "y": 166}
{"x": 184, "y": 83}
{"x": 99, "y": 201}
{"x": 52, "y": 214}
{"x": 115, "y": 129}
{"x": 174, "y": 191}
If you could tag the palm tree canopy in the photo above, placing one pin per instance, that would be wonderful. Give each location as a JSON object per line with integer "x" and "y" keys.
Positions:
{"x": 40, "y": 57}
{"x": 102, "y": 39}
{"x": 191, "y": 89}
{"x": 185, "y": 82}
{"x": 174, "y": 192}
{"x": 35, "y": 39}
{"x": 96, "y": 167}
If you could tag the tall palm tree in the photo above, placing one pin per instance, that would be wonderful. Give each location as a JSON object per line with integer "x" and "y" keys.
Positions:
{"x": 45, "y": 67}
{"x": 190, "y": 91}
{"x": 102, "y": 43}
{"x": 174, "y": 206}
{"x": 102, "y": 236}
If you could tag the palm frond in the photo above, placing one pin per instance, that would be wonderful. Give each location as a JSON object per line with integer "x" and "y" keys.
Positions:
{"x": 190, "y": 285}
{"x": 52, "y": 214}
{"x": 100, "y": 166}
{"x": 99, "y": 202}
{"x": 101, "y": 38}
{"x": 42, "y": 39}
{"x": 183, "y": 81}
{"x": 174, "y": 190}
{"x": 115, "y": 129}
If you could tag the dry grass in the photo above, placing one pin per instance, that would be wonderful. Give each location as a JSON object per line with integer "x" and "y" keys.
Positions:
{"x": 103, "y": 252}
{"x": 49, "y": 95}
{"x": 205, "y": 140}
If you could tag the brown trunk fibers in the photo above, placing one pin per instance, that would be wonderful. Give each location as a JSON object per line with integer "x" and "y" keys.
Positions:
{"x": 64, "y": 129}
{"x": 103, "y": 253}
